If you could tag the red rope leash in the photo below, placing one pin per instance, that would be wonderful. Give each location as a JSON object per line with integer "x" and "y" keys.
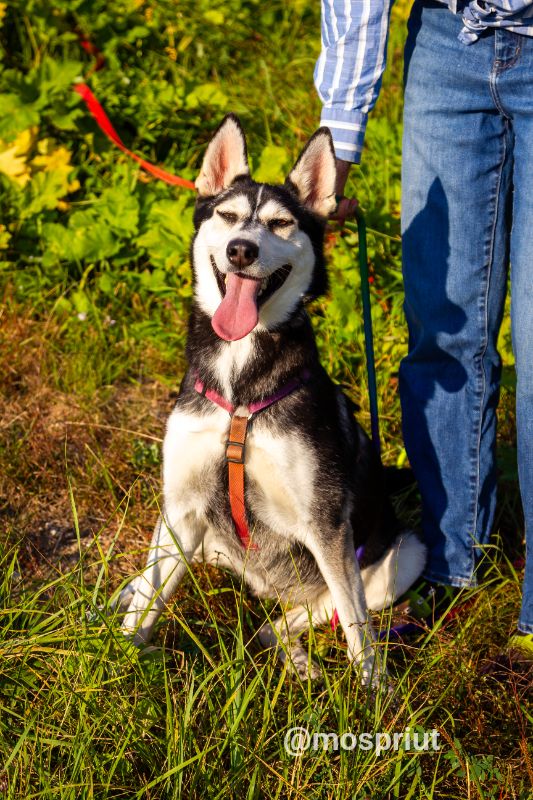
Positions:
{"x": 104, "y": 123}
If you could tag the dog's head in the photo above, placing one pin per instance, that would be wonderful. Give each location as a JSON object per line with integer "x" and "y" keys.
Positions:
{"x": 258, "y": 248}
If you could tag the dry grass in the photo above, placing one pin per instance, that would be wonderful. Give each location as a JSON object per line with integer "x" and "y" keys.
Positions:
{"x": 106, "y": 446}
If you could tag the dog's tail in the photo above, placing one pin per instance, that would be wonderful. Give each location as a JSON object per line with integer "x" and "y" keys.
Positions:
{"x": 395, "y": 572}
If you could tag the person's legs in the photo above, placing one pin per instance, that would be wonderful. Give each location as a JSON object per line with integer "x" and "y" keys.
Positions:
{"x": 456, "y": 187}
{"x": 514, "y": 88}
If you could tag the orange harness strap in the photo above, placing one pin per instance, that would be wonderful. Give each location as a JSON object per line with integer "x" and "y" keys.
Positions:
{"x": 235, "y": 458}
{"x": 240, "y": 417}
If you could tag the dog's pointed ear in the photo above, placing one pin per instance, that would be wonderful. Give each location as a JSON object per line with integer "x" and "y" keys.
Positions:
{"x": 225, "y": 158}
{"x": 314, "y": 174}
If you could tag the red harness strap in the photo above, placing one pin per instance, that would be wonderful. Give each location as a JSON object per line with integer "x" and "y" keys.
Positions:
{"x": 235, "y": 460}
{"x": 235, "y": 447}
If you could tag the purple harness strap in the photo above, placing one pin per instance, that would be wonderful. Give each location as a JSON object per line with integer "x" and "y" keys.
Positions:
{"x": 258, "y": 405}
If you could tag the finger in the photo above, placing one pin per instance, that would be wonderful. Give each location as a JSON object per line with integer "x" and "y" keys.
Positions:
{"x": 346, "y": 207}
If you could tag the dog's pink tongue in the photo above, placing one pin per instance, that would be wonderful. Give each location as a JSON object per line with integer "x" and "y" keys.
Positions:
{"x": 236, "y": 316}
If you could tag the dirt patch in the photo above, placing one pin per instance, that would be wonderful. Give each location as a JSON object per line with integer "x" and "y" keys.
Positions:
{"x": 73, "y": 468}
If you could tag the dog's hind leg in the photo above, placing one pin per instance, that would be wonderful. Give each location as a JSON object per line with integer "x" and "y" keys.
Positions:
{"x": 284, "y": 632}
{"x": 395, "y": 572}
{"x": 172, "y": 547}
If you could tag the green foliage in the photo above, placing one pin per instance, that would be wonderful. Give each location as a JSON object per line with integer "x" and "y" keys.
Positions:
{"x": 170, "y": 73}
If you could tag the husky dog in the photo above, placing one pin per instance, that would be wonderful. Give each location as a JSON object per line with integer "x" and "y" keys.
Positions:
{"x": 314, "y": 488}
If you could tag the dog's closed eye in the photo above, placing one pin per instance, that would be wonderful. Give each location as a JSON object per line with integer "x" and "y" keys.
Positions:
{"x": 280, "y": 223}
{"x": 228, "y": 216}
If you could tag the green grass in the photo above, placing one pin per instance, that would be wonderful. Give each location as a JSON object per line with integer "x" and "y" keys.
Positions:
{"x": 95, "y": 286}
{"x": 205, "y": 714}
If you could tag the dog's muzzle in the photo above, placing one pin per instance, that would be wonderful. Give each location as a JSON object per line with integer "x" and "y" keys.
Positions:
{"x": 269, "y": 285}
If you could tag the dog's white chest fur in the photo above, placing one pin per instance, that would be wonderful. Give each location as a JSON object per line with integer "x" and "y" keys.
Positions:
{"x": 192, "y": 448}
{"x": 279, "y": 468}
{"x": 280, "y": 471}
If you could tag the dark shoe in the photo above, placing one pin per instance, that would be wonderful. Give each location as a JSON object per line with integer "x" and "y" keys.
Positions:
{"x": 421, "y": 607}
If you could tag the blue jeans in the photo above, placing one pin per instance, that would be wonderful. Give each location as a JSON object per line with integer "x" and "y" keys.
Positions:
{"x": 467, "y": 209}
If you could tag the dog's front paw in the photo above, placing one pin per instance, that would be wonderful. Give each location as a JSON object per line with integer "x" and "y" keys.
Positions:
{"x": 374, "y": 674}
{"x": 298, "y": 663}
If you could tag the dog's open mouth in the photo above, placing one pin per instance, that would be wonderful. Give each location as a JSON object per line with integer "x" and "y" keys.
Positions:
{"x": 242, "y": 296}
{"x": 269, "y": 285}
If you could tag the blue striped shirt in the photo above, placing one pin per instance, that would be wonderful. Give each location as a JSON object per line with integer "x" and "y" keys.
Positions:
{"x": 349, "y": 70}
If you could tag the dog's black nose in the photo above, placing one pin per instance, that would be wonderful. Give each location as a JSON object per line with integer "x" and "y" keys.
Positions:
{"x": 241, "y": 252}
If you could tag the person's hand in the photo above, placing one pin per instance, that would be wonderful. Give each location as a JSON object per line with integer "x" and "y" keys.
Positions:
{"x": 346, "y": 206}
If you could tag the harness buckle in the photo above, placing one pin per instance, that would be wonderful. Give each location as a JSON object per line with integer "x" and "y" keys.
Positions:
{"x": 234, "y": 452}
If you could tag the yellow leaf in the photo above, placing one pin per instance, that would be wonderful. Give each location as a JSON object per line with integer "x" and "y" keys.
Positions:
{"x": 214, "y": 17}
{"x": 56, "y": 161}
{"x": 13, "y": 157}
{"x": 5, "y": 236}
